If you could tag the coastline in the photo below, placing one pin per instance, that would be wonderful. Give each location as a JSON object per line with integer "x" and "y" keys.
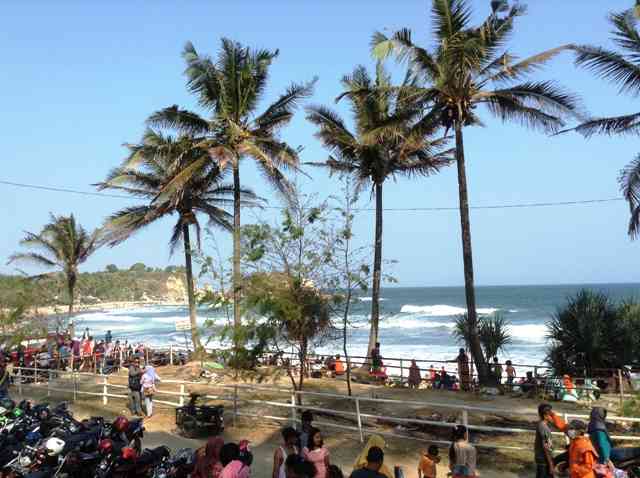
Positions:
{"x": 54, "y": 311}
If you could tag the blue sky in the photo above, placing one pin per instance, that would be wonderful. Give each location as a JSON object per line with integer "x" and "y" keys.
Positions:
{"x": 79, "y": 79}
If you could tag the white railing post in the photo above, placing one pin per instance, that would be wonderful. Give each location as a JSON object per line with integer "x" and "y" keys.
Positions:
{"x": 465, "y": 418}
{"x": 359, "y": 420}
{"x": 171, "y": 354}
{"x": 35, "y": 374}
{"x": 20, "y": 380}
{"x": 105, "y": 389}
{"x": 401, "y": 371}
{"x": 235, "y": 404}
{"x": 75, "y": 385}
{"x": 565, "y": 417}
{"x": 621, "y": 385}
{"x": 293, "y": 409}
{"x": 49, "y": 384}
{"x": 181, "y": 401}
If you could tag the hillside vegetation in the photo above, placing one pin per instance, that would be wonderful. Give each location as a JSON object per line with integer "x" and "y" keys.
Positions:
{"x": 135, "y": 284}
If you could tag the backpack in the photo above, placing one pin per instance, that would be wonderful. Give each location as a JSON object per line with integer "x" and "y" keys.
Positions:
{"x": 134, "y": 382}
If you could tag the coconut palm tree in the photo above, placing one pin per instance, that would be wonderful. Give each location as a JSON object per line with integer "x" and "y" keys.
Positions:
{"x": 466, "y": 68}
{"x": 621, "y": 67}
{"x": 392, "y": 137}
{"x": 145, "y": 173}
{"x": 230, "y": 89}
{"x": 62, "y": 244}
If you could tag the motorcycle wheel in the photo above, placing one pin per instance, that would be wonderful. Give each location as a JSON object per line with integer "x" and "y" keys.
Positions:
{"x": 189, "y": 427}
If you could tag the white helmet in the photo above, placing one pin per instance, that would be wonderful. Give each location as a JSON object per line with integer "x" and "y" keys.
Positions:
{"x": 54, "y": 446}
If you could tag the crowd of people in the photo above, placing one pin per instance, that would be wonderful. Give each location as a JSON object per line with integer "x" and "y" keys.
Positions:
{"x": 62, "y": 350}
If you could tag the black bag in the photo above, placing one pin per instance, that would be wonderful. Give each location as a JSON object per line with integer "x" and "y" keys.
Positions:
{"x": 134, "y": 382}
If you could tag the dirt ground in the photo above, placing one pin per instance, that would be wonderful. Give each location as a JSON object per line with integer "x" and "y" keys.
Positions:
{"x": 343, "y": 445}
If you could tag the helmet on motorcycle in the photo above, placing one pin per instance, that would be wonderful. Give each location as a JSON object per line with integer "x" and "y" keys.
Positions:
{"x": 33, "y": 437}
{"x": 120, "y": 424}
{"x": 7, "y": 403}
{"x": 105, "y": 446}
{"x": 54, "y": 446}
{"x": 129, "y": 453}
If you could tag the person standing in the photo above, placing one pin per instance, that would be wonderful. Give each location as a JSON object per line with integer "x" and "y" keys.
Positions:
{"x": 148, "y": 388}
{"x": 135, "y": 385}
{"x": 232, "y": 465}
{"x": 376, "y": 358}
{"x": 511, "y": 375}
{"x": 5, "y": 380}
{"x": 414, "y": 375}
{"x": 317, "y": 453}
{"x": 288, "y": 448}
{"x": 306, "y": 420}
{"x": 463, "y": 370}
{"x": 543, "y": 445}
{"x": 462, "y": 454}
{"x": 497, "y": 371}
{"x": 373, "y": 466}
{"x": 108, "y": 337}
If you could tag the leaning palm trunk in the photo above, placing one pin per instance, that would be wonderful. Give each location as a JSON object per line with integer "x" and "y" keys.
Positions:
{"x": 237, "y": 320}
{"x": 467, "y": 257}
{"x": 195, "y": 335}
{"x": 377, "y": 272}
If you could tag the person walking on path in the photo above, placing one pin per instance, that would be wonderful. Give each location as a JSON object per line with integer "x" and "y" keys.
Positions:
{"x": 317, "y": 453}
{"x": 543, "y": 445}
{"x": 148, "y": 388}
{"x": 464, "y": 372}
{"x": 288, "y": 448}
{"x": 135, "y": 385}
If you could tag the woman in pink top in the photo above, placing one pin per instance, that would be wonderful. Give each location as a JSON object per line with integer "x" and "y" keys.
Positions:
{"x": 317, "y": 453}
{"x": 230, "y": 459}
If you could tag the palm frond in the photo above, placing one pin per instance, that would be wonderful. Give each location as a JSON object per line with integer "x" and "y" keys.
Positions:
{"x": 449, "y": 18}
{"x": 625, "y": 33}
{"x": 281, "y": 111}
{"x": 502, "y": 68}
{"x": 626, "y": 124}
{"x": 610, "y": 66}
{"x": 181, "y": 120}
{"x": 629, "y": 181}
{"x": 33, "y": 258}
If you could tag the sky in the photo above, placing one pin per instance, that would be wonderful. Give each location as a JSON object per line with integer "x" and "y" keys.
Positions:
{"x": 80, "y": 78}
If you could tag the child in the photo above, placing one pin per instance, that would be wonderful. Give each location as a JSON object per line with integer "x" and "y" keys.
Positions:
{"x": 428, "y": 461}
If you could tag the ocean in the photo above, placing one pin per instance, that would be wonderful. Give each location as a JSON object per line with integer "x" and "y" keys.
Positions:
{"x": 415, "y": 322}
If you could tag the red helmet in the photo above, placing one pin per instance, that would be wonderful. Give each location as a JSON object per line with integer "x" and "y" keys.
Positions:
{"x": 121, "y": 424}
{"x": 105, "y": 446}
{"x": 129, "y": 453}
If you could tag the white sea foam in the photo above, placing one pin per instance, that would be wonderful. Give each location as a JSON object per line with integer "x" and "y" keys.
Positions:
{"x": 441, "y": 310}
{"x": 398, "y": 322}
{"x": 529, "y": 332}
{"x": 369, "y": 299}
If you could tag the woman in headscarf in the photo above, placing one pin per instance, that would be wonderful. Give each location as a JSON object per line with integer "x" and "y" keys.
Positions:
{"x": 148, "y": 387}
{"x": 462, "y": 454}
{"x": 602, "y": 441}
{"x": 361, "y": 461}
{"x": 414, "y": 375}
{"x": 208, "y": 460}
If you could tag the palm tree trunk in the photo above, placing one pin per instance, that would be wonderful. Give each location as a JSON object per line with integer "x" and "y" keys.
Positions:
{"x": 377, "y": 272}
{"x": 71, "y": 286}
{"x": 237, "y": 320}
{"x": 195, "y": 334}
{"x": 467, "y": 257}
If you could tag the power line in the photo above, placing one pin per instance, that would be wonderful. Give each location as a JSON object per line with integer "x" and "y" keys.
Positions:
{"x": 408, "y": 209}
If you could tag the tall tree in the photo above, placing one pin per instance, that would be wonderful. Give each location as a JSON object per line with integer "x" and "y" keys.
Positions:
{"x": 468, "y": 67}
{"x": 621, "y": 67}
{"x": 392, "y": 137}
{"x": 230, "y": 89}
{"x": 62, "y": 244}
{"x": 145, "y": 173}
